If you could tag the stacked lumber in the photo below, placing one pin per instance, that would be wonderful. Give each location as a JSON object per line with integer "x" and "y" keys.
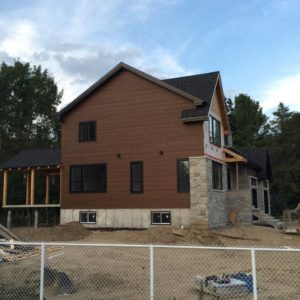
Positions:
{"x": 12, "y": 255}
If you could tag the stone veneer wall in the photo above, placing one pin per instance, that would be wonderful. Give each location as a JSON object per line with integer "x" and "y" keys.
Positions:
{"x": 208, "y": 206}
{"x": 242, "y": 201}
{"x": 198, "y": 192}
{"x": 217, "y": 202}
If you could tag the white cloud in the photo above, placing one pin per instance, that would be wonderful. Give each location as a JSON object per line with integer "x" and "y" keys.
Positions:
{"x": 79, "y": 41}
{"x": 286, "y": 90}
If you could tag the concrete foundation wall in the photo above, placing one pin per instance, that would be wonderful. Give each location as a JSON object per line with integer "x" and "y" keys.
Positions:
{"x": 242, "y": 201}
{"x": 125, "y": 218}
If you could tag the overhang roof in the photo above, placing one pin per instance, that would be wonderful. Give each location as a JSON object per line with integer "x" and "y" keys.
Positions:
{"x": 260, "y": 156}
{"x": 33, "y": 159}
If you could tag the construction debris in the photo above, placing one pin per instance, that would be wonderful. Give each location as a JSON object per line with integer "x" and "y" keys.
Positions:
{"x": 7, "y": 234}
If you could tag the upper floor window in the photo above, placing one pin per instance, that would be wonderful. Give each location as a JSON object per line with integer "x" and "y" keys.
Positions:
{"x": 183, "y": 175}
{"x": 88, "y": 179}
{"x": 87, "y": 131}
{"x": 214, "y": 131}
{"x": 136, "y": 177}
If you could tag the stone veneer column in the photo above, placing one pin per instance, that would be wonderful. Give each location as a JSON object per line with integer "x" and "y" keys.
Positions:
{"x": 198, "y": 192}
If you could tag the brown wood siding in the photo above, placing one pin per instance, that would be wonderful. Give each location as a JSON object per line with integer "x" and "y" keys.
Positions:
{"x": 136, "y": 119}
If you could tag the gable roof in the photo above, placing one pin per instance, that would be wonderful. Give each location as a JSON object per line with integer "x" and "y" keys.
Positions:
{"x": 195, "y": 97}
{"x": 259, "y": 156}
{"x": 33, "y": 158}
{"x": 201, "y": 86}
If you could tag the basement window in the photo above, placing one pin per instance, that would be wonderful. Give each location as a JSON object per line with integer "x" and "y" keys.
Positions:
{"x": 161, "y": 217}
{"x": 87, "y": 217}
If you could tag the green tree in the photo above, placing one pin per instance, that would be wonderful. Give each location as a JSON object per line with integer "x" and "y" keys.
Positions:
{"x": 249, "y": 120}
{"x": 28, "y": 108}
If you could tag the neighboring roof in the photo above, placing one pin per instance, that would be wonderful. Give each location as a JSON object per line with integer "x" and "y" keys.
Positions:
{"x": 260, "y": 156}
{"x": 201, "y": 86}
{"x": 193, "y": 95}
{"x": 33, "y": 158}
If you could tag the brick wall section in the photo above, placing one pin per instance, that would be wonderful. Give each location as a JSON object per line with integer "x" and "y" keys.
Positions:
{"x": 137, "y": 119}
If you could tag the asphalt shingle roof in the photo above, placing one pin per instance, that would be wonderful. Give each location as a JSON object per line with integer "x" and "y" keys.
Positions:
{"x": 201, "y": 86}
{"x": 33, "y": 158}
{"x": 260, "y": 156}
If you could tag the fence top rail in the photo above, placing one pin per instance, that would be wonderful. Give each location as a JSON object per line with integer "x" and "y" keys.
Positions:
{"x": 73, "y": 244}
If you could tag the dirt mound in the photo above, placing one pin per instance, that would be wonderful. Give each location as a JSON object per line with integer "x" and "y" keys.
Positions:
{"x": 171, "y": 235}
{"x": 68, "y": 232}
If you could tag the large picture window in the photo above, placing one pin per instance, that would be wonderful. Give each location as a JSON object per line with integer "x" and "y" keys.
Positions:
{"x": 87, "y": 131}
{"x": 88, "y": 179}
{"x": 217, "y": 176}
{"x": 183, "y": 175}
{"x": 136, "y": 177}
{"x": 214, "y": 131}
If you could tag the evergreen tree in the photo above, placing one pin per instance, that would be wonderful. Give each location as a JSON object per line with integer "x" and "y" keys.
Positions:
{"x": 28, "y": 109}
{"x": 247, "y": 116}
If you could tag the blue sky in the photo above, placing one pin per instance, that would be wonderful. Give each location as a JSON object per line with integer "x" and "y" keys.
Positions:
{"x": 255, "y": 44}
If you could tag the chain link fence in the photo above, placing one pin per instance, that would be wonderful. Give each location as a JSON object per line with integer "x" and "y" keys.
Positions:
{"x": 103, "y": 271}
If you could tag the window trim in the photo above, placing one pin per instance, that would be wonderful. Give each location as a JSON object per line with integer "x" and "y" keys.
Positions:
{"x": 81, "y": 182}
{"x": 256, "y": 180}
{"x": 217, "y": 141}
{"x": 178, "y": 160}
{"x": 87, "y": 212}
{"x": 142, "y": 177}
{"x": 161, "y": 212}
{"x": 79, "y": 131}
{"x": 213, "y": 176}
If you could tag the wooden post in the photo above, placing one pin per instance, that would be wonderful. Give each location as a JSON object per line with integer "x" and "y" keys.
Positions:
{"x": 32, "y": 186}
{"x": 27, "y": 188}
{"x": 36, "y": 219}
{"x": 237, "y": 175}
{"x": 4, "y": 199}
{"x": 47, "y": 189}
{"x": 60, "y": 183}
{"x": 9, "y": 220}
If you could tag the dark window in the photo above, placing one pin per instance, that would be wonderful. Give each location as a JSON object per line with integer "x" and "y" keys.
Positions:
{"x": 253, "y": 182}
{"x": 214, "y": 131}
{"x": 228, "y": 178}
{"x": 136, "y": 177}
{"x": 87, "y": 131}
{"x": 160, "y": 217}
{"x": 217, "y": 176}
{"x": 87, "y": 217}
{"x": 88, "y": 179}
{"x": 183, "y": 175}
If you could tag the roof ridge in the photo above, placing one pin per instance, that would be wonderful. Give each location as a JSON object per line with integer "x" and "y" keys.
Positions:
{"x": 194, "y": 75}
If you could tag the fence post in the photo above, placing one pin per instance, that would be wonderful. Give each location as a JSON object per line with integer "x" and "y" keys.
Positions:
{"x": 42, "y": 271}
{"x": 151, "y": 272}
{"x": 253, "y": 264}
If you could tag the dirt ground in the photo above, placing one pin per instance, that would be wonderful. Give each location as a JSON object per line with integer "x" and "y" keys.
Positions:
{"x": 84, "y": 272}
{"x": 248, "y": 235}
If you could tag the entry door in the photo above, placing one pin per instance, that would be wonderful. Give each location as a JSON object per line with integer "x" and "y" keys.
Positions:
{"x": 254, "y": 198}
{"x": 266, "y": 201}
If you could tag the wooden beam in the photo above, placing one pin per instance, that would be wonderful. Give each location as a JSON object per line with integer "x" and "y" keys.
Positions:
{"x": 32, "y": 186}
{"x": 4, "y": 199}
{"x": 47, "y": 189}
{"x": 231, "y": 160}
{"x": 27, "y": 187}
{"x": 237, "y": 176}
{"x": 234, "y": 156}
